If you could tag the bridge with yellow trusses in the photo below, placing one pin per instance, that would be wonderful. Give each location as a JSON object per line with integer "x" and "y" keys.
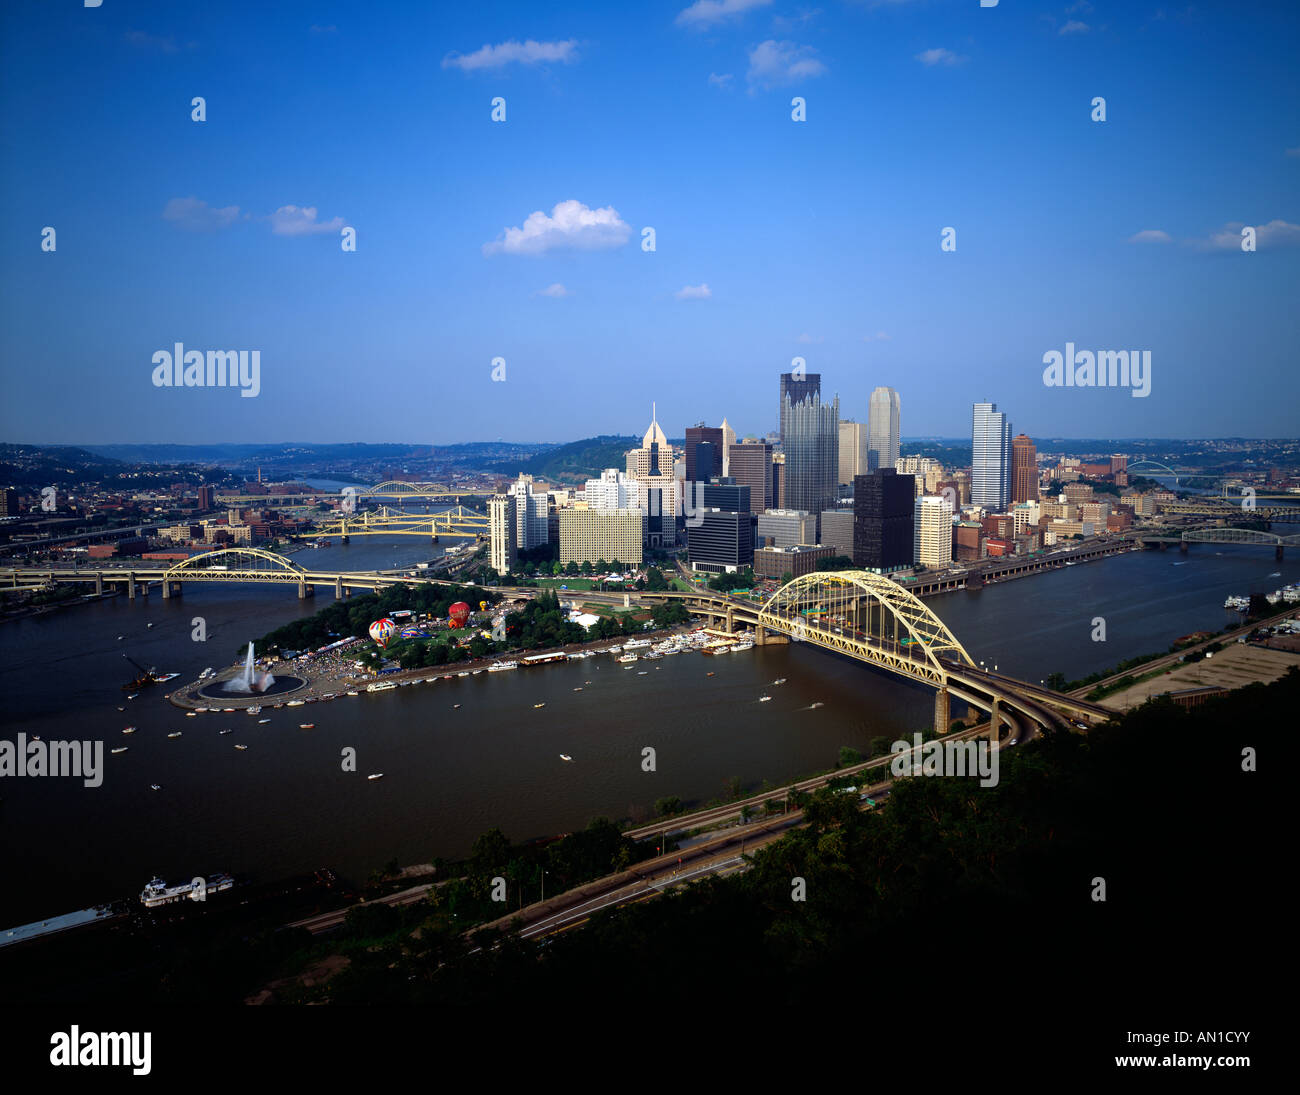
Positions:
{"x": 427, "y": 492}
{"x": 459, "y": 521}
{"x": 874, "y": 620}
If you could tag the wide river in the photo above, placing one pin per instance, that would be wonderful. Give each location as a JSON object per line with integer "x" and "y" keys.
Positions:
{"x": 285, "y": 805}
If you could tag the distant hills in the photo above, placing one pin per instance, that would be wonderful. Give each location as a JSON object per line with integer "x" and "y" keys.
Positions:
{"x": 574, "y": 462}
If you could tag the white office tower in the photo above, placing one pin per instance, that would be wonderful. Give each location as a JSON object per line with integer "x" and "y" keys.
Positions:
{"x": 932, "y": 531}
{"x": 502, "y": 524}
{"x": 530, "y": 514}
{"x": 853, "y": 450}
{"x": 728, "y": 439}
{"x": 883, "y": 418}
{"x": 990, "y": 467}
{"x": 613, "y": 490}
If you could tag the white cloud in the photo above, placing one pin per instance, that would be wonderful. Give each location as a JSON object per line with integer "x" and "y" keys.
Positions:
{"x": 792, "y": 22}
{"x": 772, "y": 63}
{"x": 694, "y": 292}
{"x": 809, "y": 340}
{"x": 525, "y": 53}
{"x": 708, "y": 13}
{"x": 570, "y": 224}
{"x": 879, "y": 336}
{"x": 1276, "y": 233}
{"x": 555, "y": 289}
{"x": 723, "y": 81}
{"x": 1074, "y": 27}
{"x": 1149, "y": 235}
{"x": 931, "y": 57}
{"x": 195, "y": 215}
{"x": 294, "y": 220}
{"x": 1080, "y": 6}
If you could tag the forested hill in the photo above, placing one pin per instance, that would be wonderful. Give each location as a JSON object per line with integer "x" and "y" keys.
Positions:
{"x": 574, "y": 462}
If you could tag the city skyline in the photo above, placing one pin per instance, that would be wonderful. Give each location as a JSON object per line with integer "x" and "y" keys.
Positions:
{"x": 224, "y": 234}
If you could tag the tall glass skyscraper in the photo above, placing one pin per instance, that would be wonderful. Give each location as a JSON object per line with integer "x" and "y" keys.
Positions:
{"x": 990, "y": 467}
{"x": 883, "y": 429}
{"x": 811, "y": 439}
{"x": 796, "y": 389}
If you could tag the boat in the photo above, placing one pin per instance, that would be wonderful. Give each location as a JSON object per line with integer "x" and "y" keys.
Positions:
{"x": 565, "y": 756}
{"x": 353, "y": 693}
{"x": 463, "y": 673}
{"x": 119, "y": 749}
{"x": 306, "y": 726}
{"x": 746, "y": 645}
{"x": 764, "y": 699}
{"x": 148, "y": 625}
{"x": 627, "y": 657}
{"x": 191, "y": 714}
{"x": 386, "y": 686}
{"x": 779, "y": 680}
{"x": 473, "y": 673}
{"x": 155, "y": 786}
{"x": 708, "y": 674}
{"x": 537, "y": 705}
{"x": 157, "y": 892}
{"x": 454, "y": 706}
{"x": 375, "y": 775}
{"x": 163, "y": 678}
{"x": 133, "y": 695}
{"x": 241, "y": 747}
{"x": 174, "y": 734}
{"x": 578, "y": 689}
{"x": 121, "y": 708}
{"x": 500, "y": 667}
{"x": 294, "y": 703}
{"x": 129, "y": 730}
{"x": 814, "y": 706}
{"x": 256, "y": 709}
{"x": 262, "y": 722}
{"x": 220, "y": 732}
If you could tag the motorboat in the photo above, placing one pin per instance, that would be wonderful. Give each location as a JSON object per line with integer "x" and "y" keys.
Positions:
{"x": 174, "y": 734}
{"x": 375, "y": 775}
{"x": 565, "y": 756}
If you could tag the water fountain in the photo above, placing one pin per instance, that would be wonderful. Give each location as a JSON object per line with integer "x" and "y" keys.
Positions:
{"x": 252, "y": 680}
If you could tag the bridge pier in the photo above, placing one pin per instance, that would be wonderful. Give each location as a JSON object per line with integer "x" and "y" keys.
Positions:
{"x": 99, "y": 582}
{"x": 339, "y": 591}
{"x": 1183, "y": 547}
{"x": 1278, "y": 553}
{"x": 167, "y": 590}
{"x": 994, "y": 719}
{"x": 130, "y": 586}
{"x": 305, "y": 590}
{"x": 731, "y": 620}
{"x": 345, "y": 539}
{"x": 941, "y": 711}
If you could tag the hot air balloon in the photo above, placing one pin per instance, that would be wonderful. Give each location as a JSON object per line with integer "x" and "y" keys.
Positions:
{"x": 459, "y": 613}
{"x": 482, "y": 606}
{"x": 382, "y": 631}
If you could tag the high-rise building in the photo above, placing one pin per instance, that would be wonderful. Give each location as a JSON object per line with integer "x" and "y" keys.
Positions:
{"x": 613, "y": 490}
{"x": 588, "y": 535}
{"x": 811, "y": 440}
{"x": 653, "y": 467}
{"x": 531, "y": 510}
{"x": 750, "y": 463}
{"x": 932, "y": 531}
{"x": 695, "y": 436}
{"x": 721, "y": 540}
{"x": 853, "y": 450}
{"x": 787, "y": 528}
{"x": 837, "y": 530}
{"x": 728, "y": 439}
{"x": 990, "y": 472}
{"x": 501, "y": 523}
{"x": 883, "y": 516}
{"x": 207, "y": 497}
{"x": 1024, "y": 469}
{"x": 795, "y": 389}
{"x": 725, "y": 494}
{"x": 883, "y": 423}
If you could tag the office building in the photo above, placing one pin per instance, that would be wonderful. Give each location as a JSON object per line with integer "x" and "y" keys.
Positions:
{"x": 1024, "y": 470}
{"x": 699, "y": 435}
{"x": 750, "y": 463}
{"x": 653, "y": 466}
{"x": 883, "y": 422}
{"x": 728, "y": 439}
{"x": 990, "y": 472}
{"x": 932, "y": 531}
{"x": 589, "y": 535}
{"x": 795, "y": 389}
{"x": 836, "y": 530}
{"x": 613, "y": 490}
{"x": 722, "y": 540}
{"x": 777, "y": 562}
{"x": 853, "y": 451}
{"x": 502, "y": 534}
{"x": 883, "y": 520}
{"x": 786, "y": 528}
{"x": 725, "y": 493}
{"x": 531, "y": 510}
{"x": 811, "y": 441}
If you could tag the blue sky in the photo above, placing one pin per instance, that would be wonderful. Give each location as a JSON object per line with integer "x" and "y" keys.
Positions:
{"x": 817, "y": 239}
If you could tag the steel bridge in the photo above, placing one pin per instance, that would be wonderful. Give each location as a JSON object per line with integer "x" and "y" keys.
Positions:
{"x": 432, "y": 492}
{"x": 459, "y": 521}
{"x": 874, "y": 620}
{"x": 1215, "y": 534}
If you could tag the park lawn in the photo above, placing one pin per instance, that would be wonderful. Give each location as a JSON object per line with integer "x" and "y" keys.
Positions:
{"x": 572, "y": 583}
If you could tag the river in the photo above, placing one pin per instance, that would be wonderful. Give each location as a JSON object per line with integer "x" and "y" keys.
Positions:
{"x": 285, "y": 805}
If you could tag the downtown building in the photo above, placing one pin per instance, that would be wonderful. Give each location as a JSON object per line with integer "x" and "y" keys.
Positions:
{"x": 853, "y": 451}
{"x": 883, "y": 521}
{"x": 750, "y": 463}
{"x": 589, "y": 535}
{"x": 883, "y": 423}
{"x": 503, "y": 537}
{"x": 810, "y": 439}
{"x": 932, "y": 531}
{"x": 786, "y": 528}
{"x": 1024, "y": 470}
{"x": 653, "y": 467}
{"x": 531, "y": 510}
{"x": 990, "y": 472}
{"x": 720, "y": 534}
{"x": 713, "y": 438}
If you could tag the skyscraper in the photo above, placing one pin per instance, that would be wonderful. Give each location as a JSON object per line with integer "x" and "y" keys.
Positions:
{"x": 883, "y": 516}
{"x": 652, "y": 467}
{"x": 811, "y": 440}
{"x": 531, "y": 528}
{"x": 853, "y": 450}
{"x": 797, "y": 389}
{"x": 990, "y": 469}
{"x": 502, "y": 521}
{"x": 728, "y": 439}
{"x": 1024, "y": 470}
{"x": 696, "y": 436}
{"x": 883, "y": 420}
{"x": 750, "y": 463}
{"x": 932, "y": 531}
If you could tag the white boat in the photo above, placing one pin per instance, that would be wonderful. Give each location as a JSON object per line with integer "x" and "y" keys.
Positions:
{"x": 454, "y": 706}
{"x": 174, "y": 734}
{"x": 386, "y": 686}
{"x": 241, "y": 747}
{"x": 814, "y": 706}
{"x": 375, "y": 775}
{"x": 191, "y": 714}
{"x": 537, "y": 705}
{"x": 779, "y": 680}
{"x": 565, "y": 756}
{"x": 222, "y": 732}
{"x": 764, "y": 699}
{"x": 578, "y": 689}
{"x": 627, "y": 657}
{"x": 306, "y": 726}
{"x": 119, "y": 749}
{"x": 500, "y": 667}
{"x": 742, "y": 646}
{"x": 155, "y": 786}
{"x": 256, "y": 709}
{"x": 262, "y": 722}
{"x": 129, "y": 730}
{"x": 294, "y": 703}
